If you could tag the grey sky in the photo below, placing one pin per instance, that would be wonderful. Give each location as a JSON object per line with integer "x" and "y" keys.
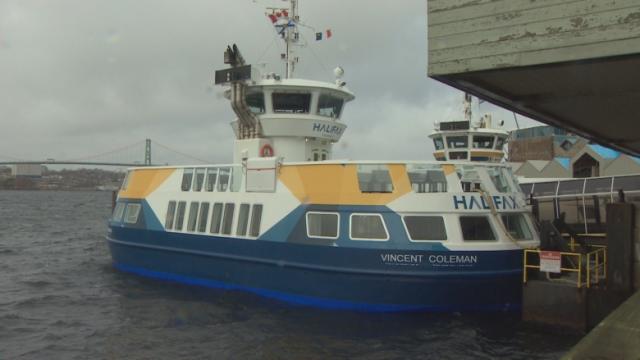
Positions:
{"x": 81, "y": 77}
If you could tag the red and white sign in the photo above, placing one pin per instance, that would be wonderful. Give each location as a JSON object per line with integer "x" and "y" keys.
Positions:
{"x": 550, "y": 261}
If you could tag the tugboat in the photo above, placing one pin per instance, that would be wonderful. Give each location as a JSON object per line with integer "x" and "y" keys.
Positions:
{"x": 286, "y": 221}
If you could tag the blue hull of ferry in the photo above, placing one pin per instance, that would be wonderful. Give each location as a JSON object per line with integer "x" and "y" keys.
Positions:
{"x": 326, "y": 277}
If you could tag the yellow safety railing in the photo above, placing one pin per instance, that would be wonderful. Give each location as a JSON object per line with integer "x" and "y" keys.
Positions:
{"x": 595, "y": 266}
{"x": 572, "y": 241}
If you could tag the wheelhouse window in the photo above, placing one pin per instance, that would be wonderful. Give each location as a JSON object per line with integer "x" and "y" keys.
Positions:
{"x": 187, "y": 177}
{"x": 425, "y": 228}
{"x": 291, "y": 103}
{"x": 367, "y": 227}
{"x": 171, "y": 213}
{"x": 118, "y": 212}
{"x": 516, "y": 225}
{"x": 131, "y": 213}
{"x": 374, "y": 179}
{"x": 457, "y": 142}
{"x": 438, "y": 143}
{"x": 322, "y": 225}
{"x": 457, "y": 155}
{"x": 476, "y": 228}
{"x": 427, "y": 178}
{"x": 483, "y": 142}
{"x": 500, "y": 141}
{"x": 329, "y": 106}
{"x": 255, "y": 102}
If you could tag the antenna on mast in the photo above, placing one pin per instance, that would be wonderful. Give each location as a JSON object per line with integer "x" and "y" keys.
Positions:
{"x": 286, "y": 23}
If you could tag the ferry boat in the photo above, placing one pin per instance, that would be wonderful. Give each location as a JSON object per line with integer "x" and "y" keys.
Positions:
{"x": 287, "y": 221}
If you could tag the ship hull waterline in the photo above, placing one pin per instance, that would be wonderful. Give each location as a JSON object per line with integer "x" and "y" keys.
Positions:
{"x": 323, "y": 277}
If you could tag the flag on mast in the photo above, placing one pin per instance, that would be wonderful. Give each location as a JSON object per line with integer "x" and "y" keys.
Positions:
{"x": 327, "y": 34}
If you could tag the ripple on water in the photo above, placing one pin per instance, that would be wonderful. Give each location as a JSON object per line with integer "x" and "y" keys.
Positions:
{"x": 61, "y": 298}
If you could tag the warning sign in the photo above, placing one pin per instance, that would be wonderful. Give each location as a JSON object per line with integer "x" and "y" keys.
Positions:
{"x": 550, "y": 261}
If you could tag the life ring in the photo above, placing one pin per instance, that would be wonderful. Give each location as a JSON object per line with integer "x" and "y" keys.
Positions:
{"x": 266, "y": 151}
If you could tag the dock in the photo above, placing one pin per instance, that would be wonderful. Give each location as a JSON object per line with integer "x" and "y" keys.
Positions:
{"x": 616, "y": 337}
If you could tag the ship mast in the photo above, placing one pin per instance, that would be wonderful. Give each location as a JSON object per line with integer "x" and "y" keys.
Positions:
{"x": 286, "y": 21}
{"x": 291, "y": 37}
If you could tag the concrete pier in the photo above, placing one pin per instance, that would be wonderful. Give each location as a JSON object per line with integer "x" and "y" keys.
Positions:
{"x": 616, "y": 337}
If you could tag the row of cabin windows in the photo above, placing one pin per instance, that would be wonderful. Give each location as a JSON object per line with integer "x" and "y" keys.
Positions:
{"x": 462, "y": 142}
{"x": 219, "y": 179}
{"x": 372, "y": 178}
{"x": 295, "y": 103}
{"x": 322, "y": 224}
{"x": 128, "y": 213}
{"x": 222, "y": 216}
{"x": 326, "y": 225}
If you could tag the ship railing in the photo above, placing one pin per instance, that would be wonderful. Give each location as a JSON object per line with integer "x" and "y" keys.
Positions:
{"x": 581, "y": 269}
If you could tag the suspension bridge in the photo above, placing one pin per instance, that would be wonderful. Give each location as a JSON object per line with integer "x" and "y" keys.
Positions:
{"x": 136, "y": 154}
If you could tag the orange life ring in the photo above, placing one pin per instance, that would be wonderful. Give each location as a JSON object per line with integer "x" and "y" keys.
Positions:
{"x": 266, "y": 150}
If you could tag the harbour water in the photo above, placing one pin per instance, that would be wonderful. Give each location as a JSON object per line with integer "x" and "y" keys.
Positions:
{"x": 61, "y": 299}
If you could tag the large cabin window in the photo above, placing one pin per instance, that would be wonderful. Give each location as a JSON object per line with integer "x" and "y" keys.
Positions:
{"x": 517, "y": 226}
{"x": 118, "y": 211}
{"x": 329, "y": 106}
{"x": 425, "y": 228}
{"x": 500, "y": 143}
{"x": 291, "y": 103}
{"x": 131, "y": 213}
{"x": 255, "y": 102}
{"x": 323, "y": 225}
{"x": 476, "y": 228}
{"x": 367, "y": 227}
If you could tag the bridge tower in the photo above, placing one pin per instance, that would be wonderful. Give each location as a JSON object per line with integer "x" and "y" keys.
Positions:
{"x": 147, "y": 152}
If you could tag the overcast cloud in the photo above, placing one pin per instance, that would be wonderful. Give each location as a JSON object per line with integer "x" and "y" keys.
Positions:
{"x": 81, "y": 77}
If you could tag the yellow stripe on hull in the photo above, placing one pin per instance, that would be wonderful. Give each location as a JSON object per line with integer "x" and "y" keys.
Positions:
{"x": 143, "y": 182}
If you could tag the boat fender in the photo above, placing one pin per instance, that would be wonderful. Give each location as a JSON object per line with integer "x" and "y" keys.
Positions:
{"x": 266, "y": 150}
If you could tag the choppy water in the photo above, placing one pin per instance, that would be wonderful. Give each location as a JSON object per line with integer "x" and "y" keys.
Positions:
{"x": 60, "y": 299}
